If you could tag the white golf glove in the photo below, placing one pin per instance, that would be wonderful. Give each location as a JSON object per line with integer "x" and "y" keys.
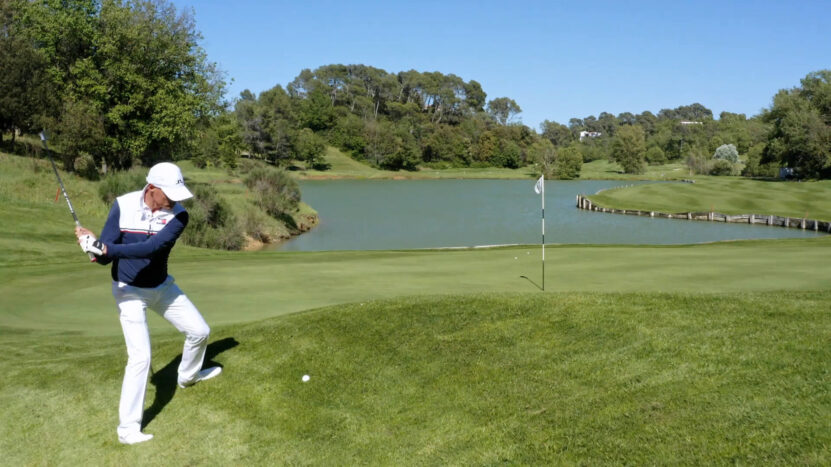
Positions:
{"x": 91, "y": 244}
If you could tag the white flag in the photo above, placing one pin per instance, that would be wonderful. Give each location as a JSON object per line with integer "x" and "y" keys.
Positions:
{"x": 538, "y": 188}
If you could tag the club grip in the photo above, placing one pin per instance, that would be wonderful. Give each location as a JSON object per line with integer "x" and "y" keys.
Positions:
{"x": 92, "y": 258}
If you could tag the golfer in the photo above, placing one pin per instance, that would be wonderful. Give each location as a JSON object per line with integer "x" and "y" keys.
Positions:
{"x": 140, "y": 231}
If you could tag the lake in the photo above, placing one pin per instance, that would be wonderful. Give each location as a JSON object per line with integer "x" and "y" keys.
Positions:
{"x": 407, "y": 214}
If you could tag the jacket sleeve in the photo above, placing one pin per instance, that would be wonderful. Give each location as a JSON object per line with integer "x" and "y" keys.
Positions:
{"x": 111, "y": 233}
{"x": 146, "y": 249}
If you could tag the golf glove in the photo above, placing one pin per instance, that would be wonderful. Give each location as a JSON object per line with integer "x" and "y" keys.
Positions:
{"x": 92, "y": 245}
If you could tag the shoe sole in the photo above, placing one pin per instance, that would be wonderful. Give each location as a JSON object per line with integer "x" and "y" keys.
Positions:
{"x": 208, "y": 374}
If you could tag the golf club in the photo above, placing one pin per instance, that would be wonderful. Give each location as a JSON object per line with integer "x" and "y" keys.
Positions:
{"x": 63, "y": 190}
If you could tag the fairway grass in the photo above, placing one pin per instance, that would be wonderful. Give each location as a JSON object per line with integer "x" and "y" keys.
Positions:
{"x": 727, "y": 195}
{"x": 469, "y": 379}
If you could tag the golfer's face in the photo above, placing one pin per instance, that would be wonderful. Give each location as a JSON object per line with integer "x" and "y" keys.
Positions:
{"x": 158, "y": 200}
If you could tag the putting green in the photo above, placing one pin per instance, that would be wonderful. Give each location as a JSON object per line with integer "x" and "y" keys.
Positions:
{"x": 241, "y": 287}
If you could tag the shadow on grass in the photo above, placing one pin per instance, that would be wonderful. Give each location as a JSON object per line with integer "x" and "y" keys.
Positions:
{"x": 529, "y": 280}
{"x": 165, "y": 379}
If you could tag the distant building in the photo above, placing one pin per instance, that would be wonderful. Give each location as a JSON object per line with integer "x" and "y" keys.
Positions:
{"x": 589, "y": 134}
{"x": 786, "y": 172}
{"x": 684, "y": 122}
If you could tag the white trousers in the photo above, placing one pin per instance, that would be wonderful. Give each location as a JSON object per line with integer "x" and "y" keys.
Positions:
{"x": 172, "y": 304}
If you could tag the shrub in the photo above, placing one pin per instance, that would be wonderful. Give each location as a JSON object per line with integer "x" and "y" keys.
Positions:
{"x": 721, "y": 167}
{"x": 120, "y": 182}
{"x": 274, "y": 191}
{"x": 568, "y": 163}
{"x": 698, "y": 162}
{"x": 211, "y": 224}
{"x": 253, "y": 224}
{"x": 655, "y": 156}
{"x": 508, "y": 156}
{"x": 84, "y": 166}
{"x": 246, "y": 165}
{"x": 727, "y": 152}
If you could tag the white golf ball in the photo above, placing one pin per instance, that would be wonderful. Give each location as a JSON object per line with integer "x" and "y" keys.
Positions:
{"x": 305, "y": 378}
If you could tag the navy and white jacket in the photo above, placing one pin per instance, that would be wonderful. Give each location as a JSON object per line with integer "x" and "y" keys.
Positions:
{"x": 139, "y": 240}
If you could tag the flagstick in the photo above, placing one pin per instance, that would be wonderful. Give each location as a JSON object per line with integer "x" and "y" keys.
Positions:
{"x": 543, "y": 235}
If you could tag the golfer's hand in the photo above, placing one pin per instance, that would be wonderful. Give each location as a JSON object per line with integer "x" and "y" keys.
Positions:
{"x": 90, "y": 244}
{"x": 81, "y": 231}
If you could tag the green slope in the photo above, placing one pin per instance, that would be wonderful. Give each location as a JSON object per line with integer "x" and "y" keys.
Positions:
{"x": 477, "y": 379}
{"x": 727, "y": 195}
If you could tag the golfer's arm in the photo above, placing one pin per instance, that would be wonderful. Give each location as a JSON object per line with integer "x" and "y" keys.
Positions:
{"x": 164, "y": 239}
{"x": 110, "y": 233}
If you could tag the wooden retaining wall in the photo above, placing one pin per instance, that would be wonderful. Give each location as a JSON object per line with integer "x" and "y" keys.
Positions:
{"x": 763, "y": 219}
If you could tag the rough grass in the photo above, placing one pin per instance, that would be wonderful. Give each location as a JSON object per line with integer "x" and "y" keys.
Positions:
{"x": 476, "y": 379}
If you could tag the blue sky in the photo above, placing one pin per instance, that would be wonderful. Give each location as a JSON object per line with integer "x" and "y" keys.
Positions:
{"x": 557, "y": 60}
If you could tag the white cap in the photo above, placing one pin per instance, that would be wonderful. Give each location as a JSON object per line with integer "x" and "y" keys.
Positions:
{"x": 168, "y": 177}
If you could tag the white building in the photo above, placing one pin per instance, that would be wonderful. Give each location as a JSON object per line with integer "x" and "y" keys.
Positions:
{"x": 589, "y": 134}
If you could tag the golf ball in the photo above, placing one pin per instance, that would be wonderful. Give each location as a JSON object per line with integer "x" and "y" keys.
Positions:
{"x": 305, "y": 378}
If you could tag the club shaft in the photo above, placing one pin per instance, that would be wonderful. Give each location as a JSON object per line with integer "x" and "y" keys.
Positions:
{"x": 63, "y": 189}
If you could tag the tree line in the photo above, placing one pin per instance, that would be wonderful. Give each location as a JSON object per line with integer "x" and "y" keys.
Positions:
{"x": 120, "y": 82}
{"x": 406, "y": 120}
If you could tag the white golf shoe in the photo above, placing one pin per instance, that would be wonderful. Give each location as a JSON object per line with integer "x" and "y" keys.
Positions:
{"x": 135, "y": 438}
{"x": 207, "y": 373}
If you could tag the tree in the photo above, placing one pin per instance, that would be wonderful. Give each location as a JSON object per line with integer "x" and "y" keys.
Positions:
{"x": 754, "y": 166}
{"x": 503, "y": 109}
{"x": 816, "y": 88}
{"x": 800, "y": 137}
{"x": 727, "y": 152}
{"x": 26, "y": 91}
{"x": 475, "y": 96}
{"x": 694, "y": 112}
{"x": 655, "y": 156}
{"x": 316, "y": 111}
{"x": 626, "y": 118}
{"x": 558, "y": 134}
{"x": 628, "y": 149}
{"x": 310, "y": 148}
{"x": 446, "y": 144}
{"x": 508, "y": 155}
{"x": 648, "y": 121}
{"x": 568, "y": 163}
{"x": 390, "y": 148}
{"x": 220, "y": 143}
{"x": 136, "y": 66}
{"x": 608, "y": 123}
{"x": 543, "y": 154}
